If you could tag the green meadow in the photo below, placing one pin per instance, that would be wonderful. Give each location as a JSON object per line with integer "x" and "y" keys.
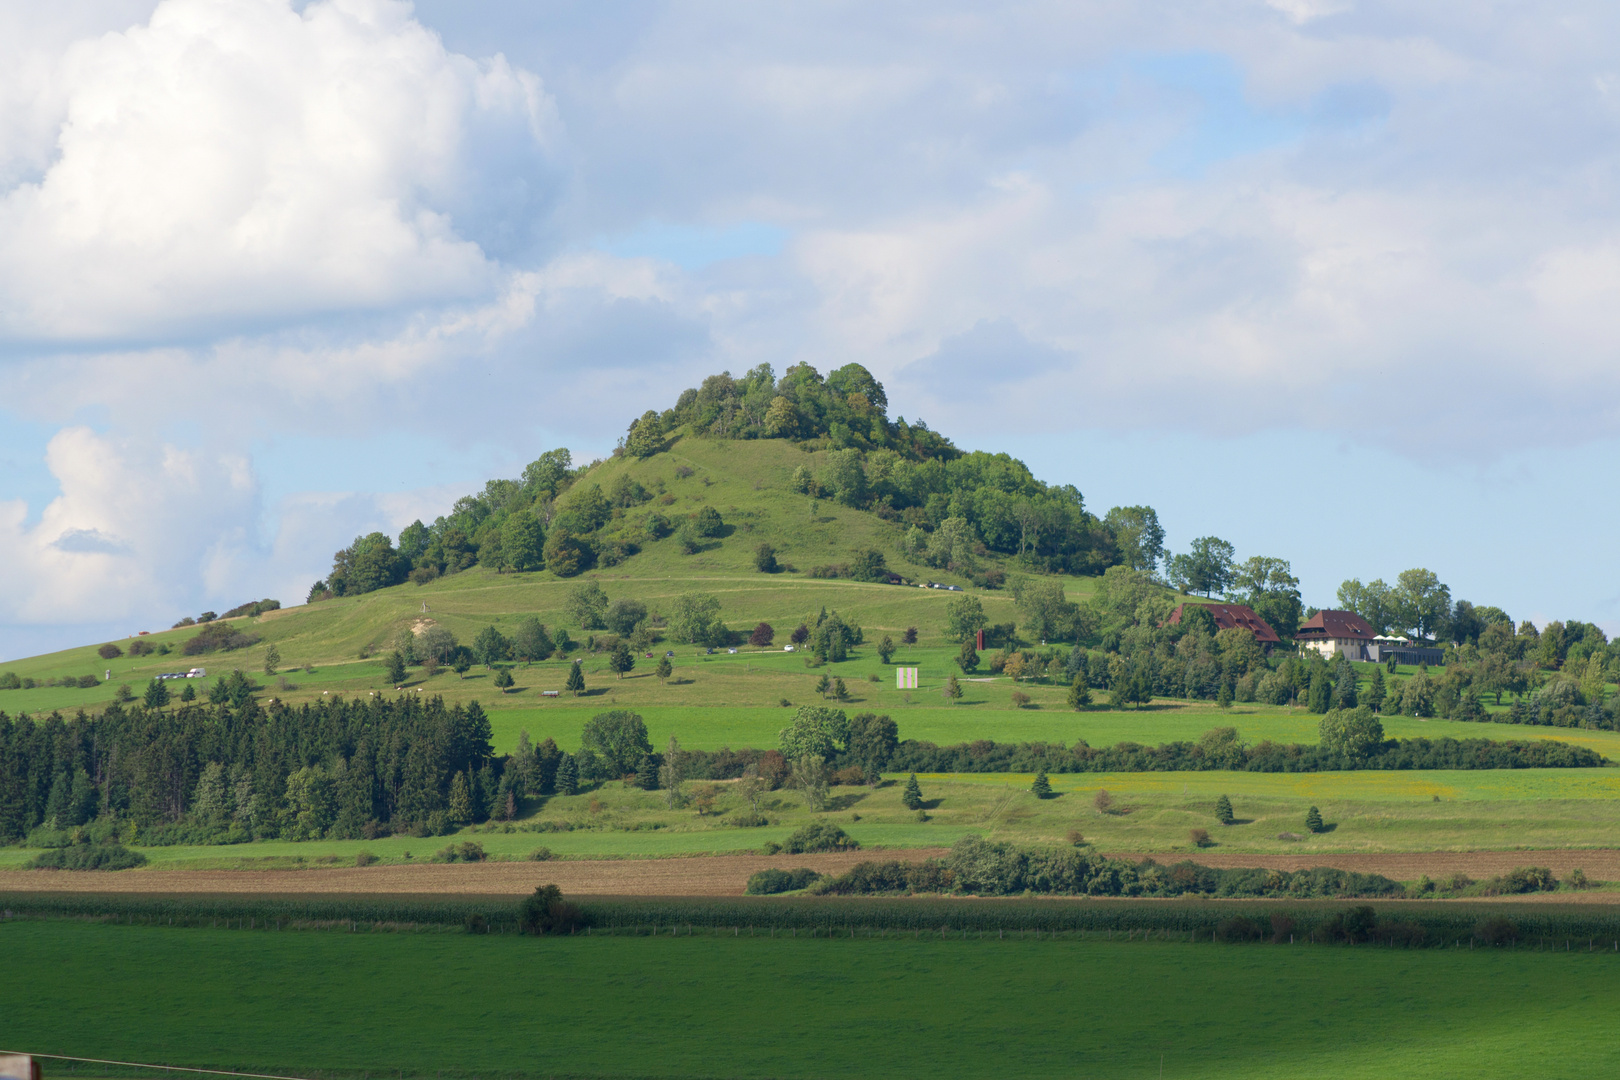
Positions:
{"x": 434, "y": 1005}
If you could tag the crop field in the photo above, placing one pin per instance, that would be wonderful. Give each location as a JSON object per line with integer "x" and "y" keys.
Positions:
{"x": 425, "y": 1005}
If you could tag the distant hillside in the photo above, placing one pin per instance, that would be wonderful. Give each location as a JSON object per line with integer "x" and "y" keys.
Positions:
{"x": 783, "y": 447}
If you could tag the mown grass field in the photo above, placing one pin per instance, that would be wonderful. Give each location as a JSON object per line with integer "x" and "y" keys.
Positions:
{"x": 1487, "y": 810}
{"x": 293, "y": 1003}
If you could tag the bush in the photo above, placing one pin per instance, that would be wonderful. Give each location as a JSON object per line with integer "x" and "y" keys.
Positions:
{"x": 364, "y": 858}
{"x": 772, "y": 881}
{"x": 819, "y": 836}
{"x": 88, "y": 857}
{"x": 1199, "y": 838}
{"x": 1496, "y": 930}
{"x": 109, "y": 651}
{"x": 541, "y": 854}
{"x": 467, "y": 851}
{"x": 546, "y": 912}
{"x": 1523, "y": 879}
{"x": 1237, "y": 928}
{"x": 476, "y": 923}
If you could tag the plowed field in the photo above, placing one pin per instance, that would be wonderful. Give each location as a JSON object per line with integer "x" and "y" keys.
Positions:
{"x": 714, "y": 875}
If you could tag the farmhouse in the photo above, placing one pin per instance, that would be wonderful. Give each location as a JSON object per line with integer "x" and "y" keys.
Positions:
{"x": 1331, "y": 632}
{"x": 1234, "y": 616}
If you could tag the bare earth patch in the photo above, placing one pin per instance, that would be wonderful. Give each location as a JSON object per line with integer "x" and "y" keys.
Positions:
{"x": 709, "y": 875}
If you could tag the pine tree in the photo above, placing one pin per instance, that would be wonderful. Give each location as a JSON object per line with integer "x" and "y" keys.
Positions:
{"x": 1079, "y": 693}
{"x": 188, "y": 692}
{"x": 621, "y": 659}
{"x": 396, "y": 668}
{"x": 1223, "y": 810}
{"x": 823, "y": 685}
{"x": 840, "y": 691}
{"x": 566, "y": 781}
{"x": 157, "y": 694}
{"x": 1224, "y": 698}
{"x": 1313, "y": 820}
{"x": 461, "y": 809}
{"x": 1375, "y": 690}
{"x": 1042, "y": 788}
{"x": 664, "y": 669}
{"x": 647, "y": 773}
{"x": 576, "y": 679}
{"x": 912, "y": 795}
{"x": 503, "y": 679}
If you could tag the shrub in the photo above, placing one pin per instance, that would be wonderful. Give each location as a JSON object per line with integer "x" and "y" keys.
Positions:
{"x": 476, "y": 923}
{"x": 1496, "y": 930}
{"x": 546, "y": 912}
{"x": 88, "y": 857}
{"x": 765, "y": 559}
{"x": 1523, "y": 879}
{"x": 85, "y": 682}
{"x": 467, "y": 851}
{"x": 819, "y": 836}
{"x": 1020, "y": 699}
{"x": 1353, "y": 925}
{"x": 1077, "y": 838}
{"x": 1199, "y": 838}
{"x": 140, "y": 647}
{"x": 771, "y": 881}
{"x": 109, "y": 651}
{"x": 1237, "y": 928}
{"x": 541, "y": 854}
{"x": 1103, "y": 801}
{"x": 1577, "y": 879}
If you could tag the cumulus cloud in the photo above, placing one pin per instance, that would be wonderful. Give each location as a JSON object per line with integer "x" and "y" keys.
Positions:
{"x": 234, "y": 162}
{"x": 135, "y": 528}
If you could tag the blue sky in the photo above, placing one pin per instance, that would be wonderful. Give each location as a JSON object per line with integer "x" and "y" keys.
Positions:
{"x": 1334, "y": 280}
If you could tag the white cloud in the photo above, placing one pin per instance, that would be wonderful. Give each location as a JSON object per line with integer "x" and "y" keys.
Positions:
{"x": 138, "y": 529}
{"x": 238, "y": 161}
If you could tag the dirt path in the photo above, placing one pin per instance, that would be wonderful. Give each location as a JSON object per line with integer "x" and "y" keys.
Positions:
{"x": 711, "y": 875}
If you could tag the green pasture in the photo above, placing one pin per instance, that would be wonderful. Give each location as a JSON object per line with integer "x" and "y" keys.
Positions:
{"x": 1437, "y": 810}
{"x": 426, "y": 1005}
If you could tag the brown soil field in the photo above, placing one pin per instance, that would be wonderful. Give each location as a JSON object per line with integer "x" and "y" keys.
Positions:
{"x": 711, "y": 875}
{"x": 726, "y": 875}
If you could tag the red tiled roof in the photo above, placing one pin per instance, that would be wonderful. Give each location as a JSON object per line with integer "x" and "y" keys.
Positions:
{"x": 1229, "y": 616}
{"x": 1336, "y": 624}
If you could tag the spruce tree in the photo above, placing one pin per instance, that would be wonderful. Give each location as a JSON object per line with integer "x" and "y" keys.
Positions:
{"x": 1313, "y": 820}
{"x": 912, "y": 795}
{"x": 1224, "y": 698}
{"x": 664, "y": 669}
{"x": 461, "y": 809}
{"x": 1042, "y": 788}
{"x": 1375, "y": 690}
{"x": 157, "y": 694}
{"x": 647, "y": 773}
{"x": 567, "y": 779}
{"x": 823, "y": 685}
{"x": 188, "y": 692}
{"x": 1079, "y": 693}
{"x": 503, "y": 679}
{"x": 576, "y": 679}
{"x": 396, "y": 668}
{"x": 953, "y": 689}
{"x": 1223, "y": 810}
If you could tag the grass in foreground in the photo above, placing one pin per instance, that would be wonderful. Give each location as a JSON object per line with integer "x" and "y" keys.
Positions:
{"x": 297, "y": 1002}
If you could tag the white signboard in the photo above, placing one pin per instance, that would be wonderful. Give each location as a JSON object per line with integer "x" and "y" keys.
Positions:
{"x": 905, "y": 678}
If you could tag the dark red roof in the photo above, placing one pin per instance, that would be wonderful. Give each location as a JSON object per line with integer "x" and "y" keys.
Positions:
{"x": 1230, "y": 616}
{"x": 1336, "y": 624}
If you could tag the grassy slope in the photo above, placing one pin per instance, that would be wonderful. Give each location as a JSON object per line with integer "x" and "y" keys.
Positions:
{"x": 1369, "y": 812}
{"x": 292, "y": 1003}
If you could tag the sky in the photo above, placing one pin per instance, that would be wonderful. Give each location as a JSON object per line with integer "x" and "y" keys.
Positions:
{"x": 1337, "y": 281}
